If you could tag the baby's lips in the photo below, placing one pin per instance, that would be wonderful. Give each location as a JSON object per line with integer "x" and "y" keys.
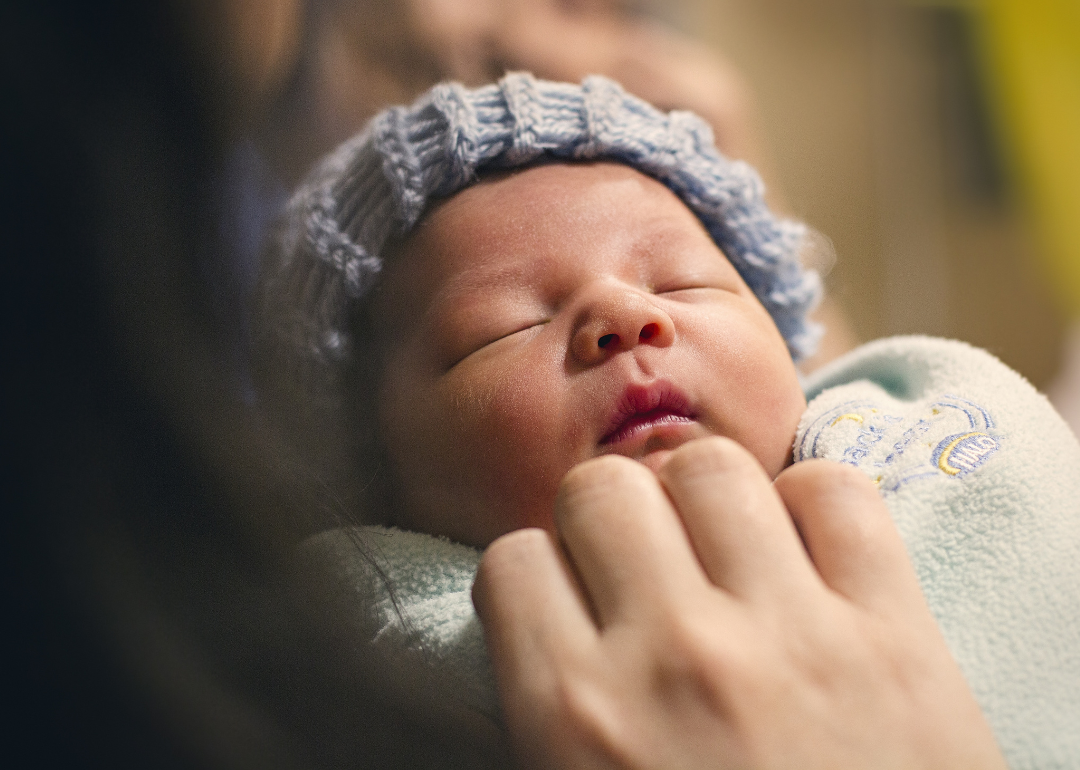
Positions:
{"x": 656, "y": 419}
{"x": 643, "y": 406}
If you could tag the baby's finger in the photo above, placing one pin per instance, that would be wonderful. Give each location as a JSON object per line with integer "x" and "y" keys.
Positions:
{"x": 850, "y": 536}
{"x": 531, "y": 608}
{"x": 624, "y": 539}
{"x": 736, "y": 521}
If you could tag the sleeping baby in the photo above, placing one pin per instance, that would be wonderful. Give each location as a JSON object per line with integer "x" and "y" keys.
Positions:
{"x": 494, "y": 285}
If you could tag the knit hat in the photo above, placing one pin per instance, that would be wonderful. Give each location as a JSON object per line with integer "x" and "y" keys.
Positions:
{"x": 377, "y": 185}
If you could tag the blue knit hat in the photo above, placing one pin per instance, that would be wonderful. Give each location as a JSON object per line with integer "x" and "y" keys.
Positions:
{"x": 377, "y": 185}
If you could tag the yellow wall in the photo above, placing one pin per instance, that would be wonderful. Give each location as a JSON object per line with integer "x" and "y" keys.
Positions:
{"x": 1032, "y": 52}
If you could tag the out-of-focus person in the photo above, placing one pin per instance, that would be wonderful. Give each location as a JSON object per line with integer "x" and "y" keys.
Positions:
{"x": 148, "y": 604}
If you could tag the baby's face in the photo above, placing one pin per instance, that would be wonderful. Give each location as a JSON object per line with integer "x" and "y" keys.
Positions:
{"x": 538, "y": 319}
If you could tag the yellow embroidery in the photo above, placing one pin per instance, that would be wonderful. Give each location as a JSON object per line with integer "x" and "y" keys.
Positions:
{"x": 850, "y": 416}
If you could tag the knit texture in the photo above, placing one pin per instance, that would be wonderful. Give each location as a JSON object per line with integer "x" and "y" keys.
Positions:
{"x": 377, "y": 185}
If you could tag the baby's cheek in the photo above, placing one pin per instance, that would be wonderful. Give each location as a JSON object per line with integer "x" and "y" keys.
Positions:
{"x": 776, "y": 411}
{"x": 520, "y": 421}
{"x": 757, "y": 388}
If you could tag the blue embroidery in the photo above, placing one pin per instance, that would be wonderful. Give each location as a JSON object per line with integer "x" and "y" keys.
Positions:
{"x": 960, "y": 454}
{"x": 951, "y": 436}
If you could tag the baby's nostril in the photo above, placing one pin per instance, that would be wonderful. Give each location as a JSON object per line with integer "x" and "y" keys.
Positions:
{"x": 648, "y": 331}
{"x": 607, "y": 339}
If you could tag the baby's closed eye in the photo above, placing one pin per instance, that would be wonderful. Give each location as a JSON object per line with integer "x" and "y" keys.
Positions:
{"x": 697, "y": 287}
{"x": 519, "y": 330}
{"x": 692, "y": 293}
{"x": 484, "y": 336}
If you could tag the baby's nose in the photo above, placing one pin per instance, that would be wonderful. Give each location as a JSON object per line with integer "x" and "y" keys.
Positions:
{"x": 616, "y": 320}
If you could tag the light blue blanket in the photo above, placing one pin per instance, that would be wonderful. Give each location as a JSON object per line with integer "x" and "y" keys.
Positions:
{"x": 982, "y": 478}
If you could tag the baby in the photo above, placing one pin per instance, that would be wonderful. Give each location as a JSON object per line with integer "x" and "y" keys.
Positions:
{"x": 516, "y": 234}
{"x": 549, "y": 315}
{"x": 504, "y": 282}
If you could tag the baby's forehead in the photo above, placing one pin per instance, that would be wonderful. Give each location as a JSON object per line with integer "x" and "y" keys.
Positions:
{"x": 543, "y": 190}
{"x": 568, "y": 206}
{"x": 547, "y": 217}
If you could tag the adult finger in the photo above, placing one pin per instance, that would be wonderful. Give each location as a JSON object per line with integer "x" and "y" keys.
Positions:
{"x": 530, "y": 606}
{"x": 624, "y": 539}
{"x": 743, "y": 536}
{"x": 850, "y": 536}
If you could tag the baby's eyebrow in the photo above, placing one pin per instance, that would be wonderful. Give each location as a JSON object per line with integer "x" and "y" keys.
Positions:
{"x": 479, "y": 280}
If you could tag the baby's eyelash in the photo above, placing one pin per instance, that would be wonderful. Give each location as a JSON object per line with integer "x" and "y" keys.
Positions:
{"x": 481, "y": 346}
{"x": 694, "y": 287}
{"x": 526, "y": 327}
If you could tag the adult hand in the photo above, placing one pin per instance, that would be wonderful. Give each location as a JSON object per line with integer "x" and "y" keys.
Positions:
{"x": 709, "y": 618}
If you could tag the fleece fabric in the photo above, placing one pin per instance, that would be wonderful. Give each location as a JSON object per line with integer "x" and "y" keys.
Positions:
{"x": 980, "y": 474}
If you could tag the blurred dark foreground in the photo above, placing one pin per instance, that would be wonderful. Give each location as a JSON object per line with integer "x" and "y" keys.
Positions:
{"x": 151, "y": 618}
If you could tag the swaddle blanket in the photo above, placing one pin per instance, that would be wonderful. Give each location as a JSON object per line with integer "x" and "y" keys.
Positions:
{"x": 980, "y": 474}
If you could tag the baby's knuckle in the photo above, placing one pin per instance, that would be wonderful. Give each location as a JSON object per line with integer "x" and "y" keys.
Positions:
{"x": 708, "y": 457}
{"x": 685, "y": 634}
{"x": 506, "y": 555}
{"x": 841, "y": 476}
{"x": 571, "y": 697}
{"x": 519, "y": 543}
{"x": 903, "y": 654}
{"x": 583, "y": 714}
{"x": 599, "y": 480}
{"x": 607, "y": 469}
{"x": 824, "y": 478}
{"x": 693, "y": 655}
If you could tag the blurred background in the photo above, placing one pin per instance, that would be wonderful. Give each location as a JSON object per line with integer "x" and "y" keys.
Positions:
{"x": 936, "y": 143}
{"x": 152, "y": 508}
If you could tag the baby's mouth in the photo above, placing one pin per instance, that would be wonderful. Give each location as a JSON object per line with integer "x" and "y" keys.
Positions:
{"x": 644, "y": 408}
{"x": 643, "y": 422}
